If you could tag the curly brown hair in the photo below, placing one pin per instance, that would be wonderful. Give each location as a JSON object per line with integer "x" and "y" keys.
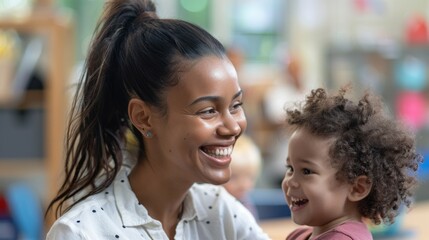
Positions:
{"x": 369, "y": 143}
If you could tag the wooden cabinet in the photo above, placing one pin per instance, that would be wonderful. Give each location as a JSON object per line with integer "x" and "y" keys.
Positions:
{"x": 58, "y": 35}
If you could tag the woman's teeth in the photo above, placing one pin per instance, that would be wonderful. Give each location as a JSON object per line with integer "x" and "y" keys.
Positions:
{"x": 219, "y": 152}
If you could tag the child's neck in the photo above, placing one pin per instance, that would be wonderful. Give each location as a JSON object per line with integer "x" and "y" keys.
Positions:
{"x": 317, "y": 230}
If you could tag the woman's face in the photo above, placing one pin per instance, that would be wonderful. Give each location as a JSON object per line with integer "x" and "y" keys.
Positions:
{"x": 194, "y": 140}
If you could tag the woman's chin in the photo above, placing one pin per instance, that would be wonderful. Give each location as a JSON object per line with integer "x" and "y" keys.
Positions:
{"x": 219, "y": 177}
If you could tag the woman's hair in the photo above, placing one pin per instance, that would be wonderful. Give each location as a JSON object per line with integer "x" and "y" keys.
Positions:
{"x": 133, "y": 54}
{"x": 367, "y": 143}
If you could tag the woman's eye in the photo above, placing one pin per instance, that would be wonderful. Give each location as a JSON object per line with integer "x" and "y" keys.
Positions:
{"x": 236, "y": 106}
{"x": 207, "y": 111}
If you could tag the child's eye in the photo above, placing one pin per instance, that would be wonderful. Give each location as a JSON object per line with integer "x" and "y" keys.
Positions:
{"x": 289, "y": 169}
{"x": 306, "y": 171}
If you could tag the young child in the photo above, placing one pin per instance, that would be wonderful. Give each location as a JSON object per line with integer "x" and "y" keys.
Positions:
{"x": 346, "y": 161}
{"x": 245, "y": 169}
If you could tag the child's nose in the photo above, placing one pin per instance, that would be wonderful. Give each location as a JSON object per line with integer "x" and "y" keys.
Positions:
{"x": 291, "y": 182}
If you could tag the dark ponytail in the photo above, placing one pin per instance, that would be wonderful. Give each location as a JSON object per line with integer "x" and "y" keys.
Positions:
{"x": 133, "y": 54}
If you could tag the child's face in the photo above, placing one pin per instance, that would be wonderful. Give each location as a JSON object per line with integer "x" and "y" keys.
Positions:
{"x": 314, "y": 195}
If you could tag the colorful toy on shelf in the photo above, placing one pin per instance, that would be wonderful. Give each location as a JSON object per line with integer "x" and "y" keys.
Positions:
{"x": 417, "y": 30}
{"x": 26, "y": 211}
{"x": 7, "y": 227}
{"x": 9, "y": 52}
{"x": 411, "y": 108}
{"x": 423, "y": 172}
{"x": 411, "y": 74}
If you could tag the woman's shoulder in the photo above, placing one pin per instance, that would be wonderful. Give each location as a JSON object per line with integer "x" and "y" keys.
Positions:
{"x": 87, "y": 206}
{"x": 91, "y": 212}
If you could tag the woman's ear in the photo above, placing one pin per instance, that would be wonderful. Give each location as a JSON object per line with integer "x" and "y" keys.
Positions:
{"x": 360, "y": 188}
{"x": 140, "y": 114}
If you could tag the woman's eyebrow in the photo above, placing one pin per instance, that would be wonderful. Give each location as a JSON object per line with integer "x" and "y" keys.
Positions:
{"x": 237, "y": 94}
{"x": 205, "y": 98}
{"x": 213, "y": 98}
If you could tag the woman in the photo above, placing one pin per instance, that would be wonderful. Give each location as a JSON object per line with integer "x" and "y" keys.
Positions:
{"x": 170, "y": 83}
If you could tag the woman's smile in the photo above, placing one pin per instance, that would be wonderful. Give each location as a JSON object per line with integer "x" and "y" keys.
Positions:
{"x": 218, "y": 155}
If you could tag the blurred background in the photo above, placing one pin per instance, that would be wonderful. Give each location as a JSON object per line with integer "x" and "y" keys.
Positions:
{"x": 280, "y": 48}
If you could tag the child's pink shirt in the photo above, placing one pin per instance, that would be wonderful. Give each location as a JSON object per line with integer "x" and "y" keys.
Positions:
{"x": 351, "y": 230}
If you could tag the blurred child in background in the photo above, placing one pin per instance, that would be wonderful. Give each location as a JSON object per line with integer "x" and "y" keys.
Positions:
{"x": 245, "y": 169}
{"x": 346, "y": 162}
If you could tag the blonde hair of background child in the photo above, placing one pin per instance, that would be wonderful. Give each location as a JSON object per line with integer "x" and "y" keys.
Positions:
{"x": 246, "y": 153}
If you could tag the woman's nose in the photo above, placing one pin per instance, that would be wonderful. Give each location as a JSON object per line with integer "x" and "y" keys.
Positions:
{"x": 232, "y": 125}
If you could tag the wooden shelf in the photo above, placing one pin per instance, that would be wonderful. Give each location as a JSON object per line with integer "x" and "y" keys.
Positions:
{"x": 14, "y": 168}
{"x": 38, "y": 20}
{"x": 58, "y": 32}
{"x": 32, "y": 99}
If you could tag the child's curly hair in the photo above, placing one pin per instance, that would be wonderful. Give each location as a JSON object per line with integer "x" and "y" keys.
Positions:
{"x": 367, "y": 143}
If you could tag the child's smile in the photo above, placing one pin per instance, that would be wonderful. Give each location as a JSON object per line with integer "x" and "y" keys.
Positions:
{"x": 297, "y": 203}
{"x": 314, "y": 194}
